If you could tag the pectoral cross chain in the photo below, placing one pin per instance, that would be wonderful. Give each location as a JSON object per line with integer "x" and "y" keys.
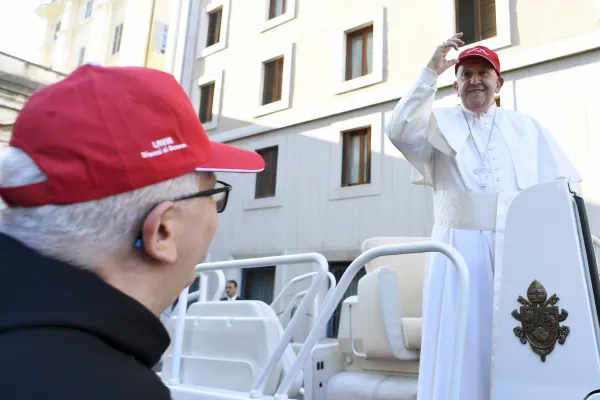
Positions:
{"x": 482, "y": 173}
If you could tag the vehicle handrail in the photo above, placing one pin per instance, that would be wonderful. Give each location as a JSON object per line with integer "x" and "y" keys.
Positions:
{"x": 297, "y": 279}
{"x": 313, "y": 291}
{"x": 331, "y": 302}
{"x": 596, "y": 241}
{"x": 201, "y": 293}
{"x": 292, "y": 303}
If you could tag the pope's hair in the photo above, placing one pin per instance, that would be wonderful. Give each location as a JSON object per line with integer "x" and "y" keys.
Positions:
{"x": 84, "y": 234}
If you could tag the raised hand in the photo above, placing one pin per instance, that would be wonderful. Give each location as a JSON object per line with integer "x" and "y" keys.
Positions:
{"x": 438, "y": 62}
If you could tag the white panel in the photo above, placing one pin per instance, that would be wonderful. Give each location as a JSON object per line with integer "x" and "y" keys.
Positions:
{"x": 542, "y": 242}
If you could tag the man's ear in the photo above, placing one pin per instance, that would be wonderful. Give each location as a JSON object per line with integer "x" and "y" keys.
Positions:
{"x": 499, "y": 84}
{"x": 456, "y": 88}
{"x": 158, "y": 233}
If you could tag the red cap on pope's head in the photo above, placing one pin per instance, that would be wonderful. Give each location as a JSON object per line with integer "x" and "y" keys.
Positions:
{"x": 479, "y": 52}
{"x": 102, "y": 131}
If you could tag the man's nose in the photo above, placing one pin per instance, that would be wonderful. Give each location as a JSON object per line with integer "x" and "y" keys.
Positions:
{"x": 475, "y": 79}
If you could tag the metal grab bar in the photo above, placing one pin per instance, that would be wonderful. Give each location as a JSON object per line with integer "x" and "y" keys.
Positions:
{"x": 201, "y": 293}
{"x": 302, "y": 293}
{"x": 331, "y": 302}
{"x": 596, "y": 241}
{"x": 292, "y": 303}
{"x": 313, "y": 290}
{"x": 290, "y": 283}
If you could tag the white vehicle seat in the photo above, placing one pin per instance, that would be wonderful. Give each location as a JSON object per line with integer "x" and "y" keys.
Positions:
{"x": 410, "y": 273}
{"x": 383, "y": 322}
{"x": 227, "y": 344}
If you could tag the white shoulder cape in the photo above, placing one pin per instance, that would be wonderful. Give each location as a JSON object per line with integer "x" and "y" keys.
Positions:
{"x": 535, "y": 155}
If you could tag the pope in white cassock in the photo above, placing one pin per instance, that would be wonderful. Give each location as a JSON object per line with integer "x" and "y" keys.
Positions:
{"x": 472, "y": 156}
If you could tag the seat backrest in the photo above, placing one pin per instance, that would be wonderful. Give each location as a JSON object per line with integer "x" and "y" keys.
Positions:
{"x": 228, "y": 343}
{"x": 410, "y": 271}
{"x": 379, "y": 315}
{"x": 371, "y": 323}
{"x": 383, "y": 322}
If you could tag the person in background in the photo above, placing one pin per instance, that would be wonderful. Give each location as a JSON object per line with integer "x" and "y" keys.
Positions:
{"x": 231, "y": 289}
{"x": 111, "y": 199}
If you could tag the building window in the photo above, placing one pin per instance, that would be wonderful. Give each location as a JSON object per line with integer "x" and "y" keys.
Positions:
{"x": 117, "y": 39}
{"x": 266, "y": 180}
{"x": 274, "y": 86}
{"x": 206, "y": 98}
{"x": 207, "y": 95}
{"x": 159, "y": 37}
{"x": 214, "y": 27}
{"x": 88, "y": 9}
{"x": 56, "y": 29}
{"x": 276, "y": 8}
{"x": 476, "y": 19}
{"x": 356, "y": 157}
{"x": 273, "y": 81}
{"x": 278, "y": 12}
{"x": 359, "y": 53}
{"x": 81, "y": 57}
{"x": 163, "y": 39}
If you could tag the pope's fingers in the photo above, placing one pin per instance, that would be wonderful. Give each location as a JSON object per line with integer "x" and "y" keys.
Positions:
{"x": 449, "y": 43}
{"x": 456, "y": 40}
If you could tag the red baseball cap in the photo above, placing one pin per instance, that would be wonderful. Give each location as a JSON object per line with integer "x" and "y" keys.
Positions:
{"x": 102, "y": 131}
{"x": 480, "y": 52}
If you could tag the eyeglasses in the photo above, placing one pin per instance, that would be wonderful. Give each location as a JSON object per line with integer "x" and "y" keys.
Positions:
{"x": 220, "y": 194}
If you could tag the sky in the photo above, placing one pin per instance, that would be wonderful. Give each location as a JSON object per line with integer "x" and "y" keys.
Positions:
{"x": 21, "y": 30}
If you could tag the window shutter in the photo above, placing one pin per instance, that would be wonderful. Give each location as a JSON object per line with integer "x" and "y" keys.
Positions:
{"x": 465, "y": 20}
{"x": 488, "y": 18}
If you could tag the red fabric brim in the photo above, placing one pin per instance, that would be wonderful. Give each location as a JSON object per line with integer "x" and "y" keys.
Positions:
{"x": 226, "y": 158}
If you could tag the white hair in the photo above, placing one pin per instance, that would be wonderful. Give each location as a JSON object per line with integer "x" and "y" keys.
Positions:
{"x": 83, "y": 234}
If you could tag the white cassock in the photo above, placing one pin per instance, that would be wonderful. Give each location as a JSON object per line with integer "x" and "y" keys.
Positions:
{"x": 446, "y": 146}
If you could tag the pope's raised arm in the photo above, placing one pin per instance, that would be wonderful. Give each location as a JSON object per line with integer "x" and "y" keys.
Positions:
{"x": 413, "y": 119}
{"x": 413, "y": 123}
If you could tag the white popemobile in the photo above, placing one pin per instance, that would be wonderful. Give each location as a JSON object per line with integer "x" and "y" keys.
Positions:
{"x": 546, "y": 319}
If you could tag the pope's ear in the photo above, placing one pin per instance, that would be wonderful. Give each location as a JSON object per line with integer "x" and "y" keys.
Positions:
{"x": 499, "y": 84}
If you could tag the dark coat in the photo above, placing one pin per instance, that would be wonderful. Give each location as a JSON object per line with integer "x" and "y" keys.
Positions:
{"x": 238, "y": 298}
{"x": 66, "y": 334}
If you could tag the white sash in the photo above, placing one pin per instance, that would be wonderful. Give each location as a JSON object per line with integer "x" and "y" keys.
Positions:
{"x": 465, "y": 210}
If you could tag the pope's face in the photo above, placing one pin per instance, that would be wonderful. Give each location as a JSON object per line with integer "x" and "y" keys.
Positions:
{"x": 477, "y": 83}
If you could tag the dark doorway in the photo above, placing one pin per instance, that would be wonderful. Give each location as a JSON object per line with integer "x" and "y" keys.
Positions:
{"x": 258, "y": 284}
{"x": 338, "y": 269}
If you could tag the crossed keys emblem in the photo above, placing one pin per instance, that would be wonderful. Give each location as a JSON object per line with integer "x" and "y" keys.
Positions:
{"x": 540, "y": 321}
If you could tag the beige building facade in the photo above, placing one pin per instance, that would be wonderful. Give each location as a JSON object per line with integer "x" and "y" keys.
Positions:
{"x": 107, "y": 32}
{"x": 18, "y": 80}
{"x": 310, "y": 84}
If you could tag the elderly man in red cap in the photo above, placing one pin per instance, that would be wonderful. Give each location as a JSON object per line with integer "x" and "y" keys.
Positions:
{"x": 475, "y": 157}
{"x": 111, "y": 200}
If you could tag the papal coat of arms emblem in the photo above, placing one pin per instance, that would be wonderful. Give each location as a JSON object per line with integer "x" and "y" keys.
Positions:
{"x": 540, "y": 321}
